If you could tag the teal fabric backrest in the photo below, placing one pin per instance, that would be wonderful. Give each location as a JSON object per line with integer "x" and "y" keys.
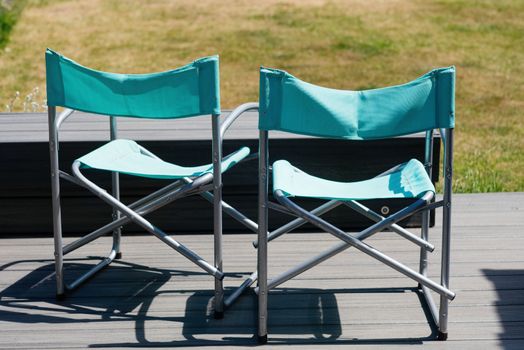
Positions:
{"x": 289, "y": 104}
{"x": 187, "y": 91}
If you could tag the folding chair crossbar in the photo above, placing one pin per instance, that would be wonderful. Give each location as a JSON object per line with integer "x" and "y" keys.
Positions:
{"x": 323, "y": 256}
{"x": 322, "y": 209}
{"x": 361, "y": 209}
{"x": 310, "y": 263}
{"x": 356, "y": 241}
{"x": 138, "y": 219}
{"x": 143, "y": 206}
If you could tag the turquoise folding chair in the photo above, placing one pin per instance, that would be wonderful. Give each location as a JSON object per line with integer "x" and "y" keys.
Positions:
{"x": 191, "y": 90}
{"x": 291, "y": 105}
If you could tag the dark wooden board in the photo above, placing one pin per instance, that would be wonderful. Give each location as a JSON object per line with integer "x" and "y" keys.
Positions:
{"x": 25, "y": 182}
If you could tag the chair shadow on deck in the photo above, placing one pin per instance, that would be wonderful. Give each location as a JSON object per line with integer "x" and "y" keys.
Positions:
{"x": 127, "y": 292}
{"x": 509, "y": 284}
{"x": 130, "y": 285}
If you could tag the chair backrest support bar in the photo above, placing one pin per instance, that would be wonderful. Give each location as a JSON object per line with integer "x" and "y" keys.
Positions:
{"x": 428, "y": 152}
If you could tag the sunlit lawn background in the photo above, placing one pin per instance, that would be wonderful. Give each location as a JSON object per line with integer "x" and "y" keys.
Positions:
{"x": 344, "y": 44}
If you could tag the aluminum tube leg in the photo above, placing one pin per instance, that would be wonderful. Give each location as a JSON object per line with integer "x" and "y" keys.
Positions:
{"x": 134, "y": 216}
{"x": 446, "y": 233}
{"x": 424, "y": 231}
{"x": 93, "y": 270}
{"x": 117, "y": 232}
{"x": 238, "y": 292}
{"x": 217, "y": 214}
{"x": 431, "y": 304}
{"x": 262, "y": 236}
{"x": 55, "y": 198}
{"x": 115, "y": 187}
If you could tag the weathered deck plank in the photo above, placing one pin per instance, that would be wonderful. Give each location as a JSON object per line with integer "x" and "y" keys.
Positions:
{"x": 157, "y": 298}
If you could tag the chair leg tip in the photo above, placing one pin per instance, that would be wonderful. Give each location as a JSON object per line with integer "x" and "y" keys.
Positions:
{"x": 118, "y": 256}
{"x": 60, "y": 297}
{"x": 262, "y": 339}
{"x": 442, "y": 336}
{"x": 218, "y": 315}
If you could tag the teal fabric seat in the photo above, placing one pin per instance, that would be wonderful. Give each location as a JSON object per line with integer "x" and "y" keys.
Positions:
{"x": 410, "y": 180}
{"x": 127, "y": 157}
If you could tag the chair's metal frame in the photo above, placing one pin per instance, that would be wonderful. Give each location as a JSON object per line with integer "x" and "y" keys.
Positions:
{"x": 425, "y": 204}
{"x": 123, "y": 214}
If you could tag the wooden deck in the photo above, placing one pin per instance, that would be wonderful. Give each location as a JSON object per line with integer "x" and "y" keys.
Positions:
{"x": 156, "y": 298}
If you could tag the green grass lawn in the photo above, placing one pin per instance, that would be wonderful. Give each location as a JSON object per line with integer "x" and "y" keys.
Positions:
{"x": 342, "y": 44}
